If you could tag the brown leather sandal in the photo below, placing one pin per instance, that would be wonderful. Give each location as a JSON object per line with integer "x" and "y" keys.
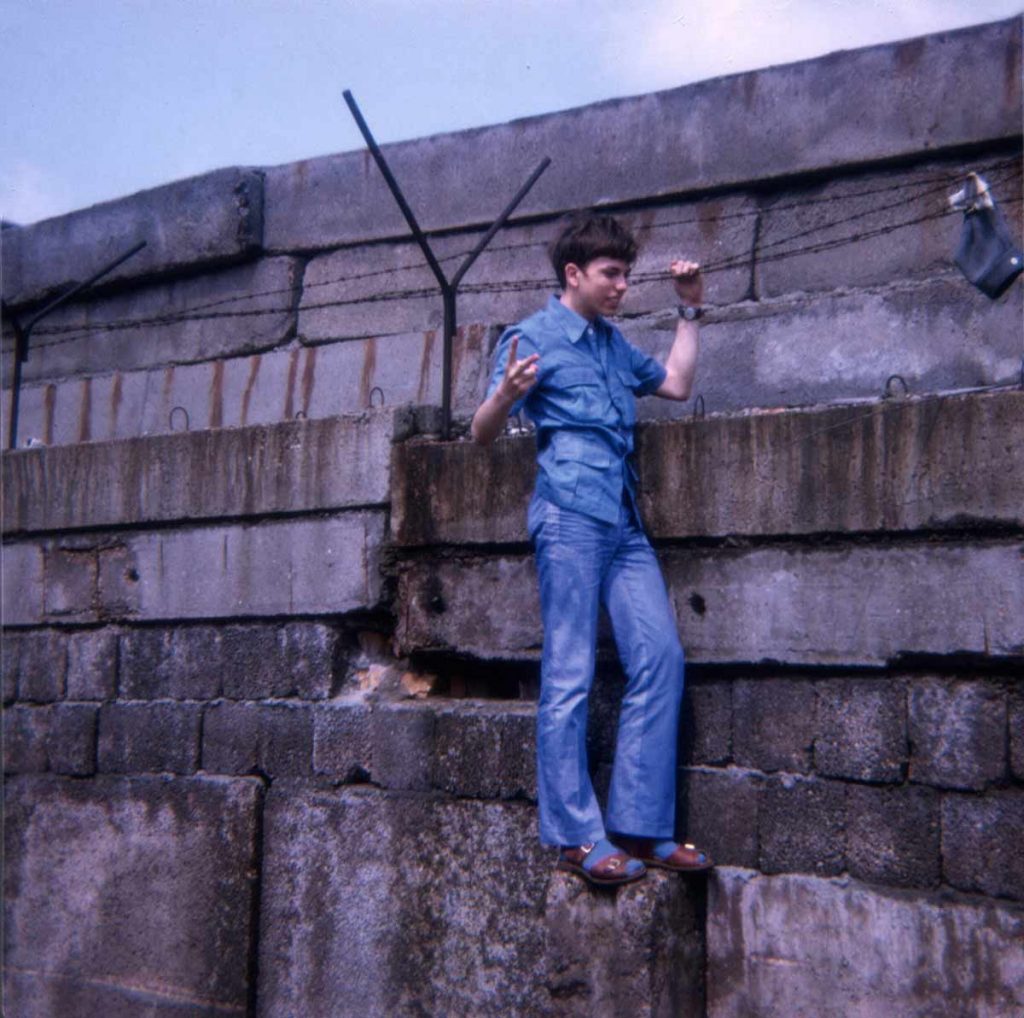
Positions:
{"x": 612, "y": 870}
{"x": 686, "y": 858}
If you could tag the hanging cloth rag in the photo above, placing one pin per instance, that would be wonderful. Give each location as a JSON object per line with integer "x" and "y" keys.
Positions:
{"x": 986, "y": 254}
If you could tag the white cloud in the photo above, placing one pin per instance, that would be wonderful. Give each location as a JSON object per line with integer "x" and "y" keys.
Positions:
{"x": 665, "y": 43}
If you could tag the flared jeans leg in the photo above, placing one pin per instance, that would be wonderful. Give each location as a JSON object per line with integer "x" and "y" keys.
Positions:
{"x": 580, "y": 563}
{"x": 642, "y": 796}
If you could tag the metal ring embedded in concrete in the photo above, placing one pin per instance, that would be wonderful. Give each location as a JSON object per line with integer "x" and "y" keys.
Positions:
{"x": 170, "y": 418}
{"x": 888, "y": 393}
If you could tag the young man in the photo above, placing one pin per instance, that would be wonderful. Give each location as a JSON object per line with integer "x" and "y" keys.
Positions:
{"x": 576, "y": 377}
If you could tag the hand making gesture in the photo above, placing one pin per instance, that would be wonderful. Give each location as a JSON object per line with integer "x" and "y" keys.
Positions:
{"x": 519, "y": 375}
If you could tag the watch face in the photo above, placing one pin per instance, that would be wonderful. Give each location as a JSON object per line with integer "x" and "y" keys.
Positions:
{"x": 690, "y": 314}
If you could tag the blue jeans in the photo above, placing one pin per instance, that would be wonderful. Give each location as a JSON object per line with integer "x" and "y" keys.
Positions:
{"x": 582, "y": 563}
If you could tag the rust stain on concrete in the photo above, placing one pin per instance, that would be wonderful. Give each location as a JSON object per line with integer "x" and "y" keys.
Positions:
{"x": 85, "y": 412}
{"x": 49, "y": 401}
{"x": 1012, "y": 70}
{"x": 643, "y": 223}
{"x": 308, "y": 379}
{"x": 908, "y": 54}
{"x": 250, "y": 384}
{"x": 428, "y": 352}
{"x": 708, "y": 213}
{"x": 289, "y": 396}
{"x": 217, "y": 396}
{"x": 749, "y": 83}
{"x": 115, "y": 403}
{"x": 458, "y": 348}
{"x": 369, "y": 369}
{"x": 466, "y": 343}
{"x": 168, "y": 386}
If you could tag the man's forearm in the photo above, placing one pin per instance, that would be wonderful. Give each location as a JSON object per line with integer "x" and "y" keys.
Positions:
{"x": 490, "y": 417}
{"x": 681, "y": 365}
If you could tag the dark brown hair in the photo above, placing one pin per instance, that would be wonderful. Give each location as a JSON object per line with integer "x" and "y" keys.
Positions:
{"x": 587, "y": 236}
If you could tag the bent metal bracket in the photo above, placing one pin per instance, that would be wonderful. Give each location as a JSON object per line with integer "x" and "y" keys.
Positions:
{"x": 449, "y": 288}
{"x": 22, "y": 333}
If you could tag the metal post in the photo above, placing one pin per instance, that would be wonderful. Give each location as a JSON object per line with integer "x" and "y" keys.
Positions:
{"x": 22, "y": 333}
{"x": 449, "y": 290}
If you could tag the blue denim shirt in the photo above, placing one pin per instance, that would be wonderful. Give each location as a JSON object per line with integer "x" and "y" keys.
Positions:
{"x": 583, "y": 406}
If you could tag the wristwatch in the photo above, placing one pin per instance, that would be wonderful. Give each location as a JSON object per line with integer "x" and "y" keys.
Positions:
{"x": 690, "y": 314}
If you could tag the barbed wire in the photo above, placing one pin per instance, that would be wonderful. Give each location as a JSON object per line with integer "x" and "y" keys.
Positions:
{"x": 774, "y": 250}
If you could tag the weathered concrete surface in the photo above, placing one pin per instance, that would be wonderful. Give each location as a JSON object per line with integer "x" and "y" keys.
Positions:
{"x": 792, "y": 945}
{"x": 850, "y": 107}
{"x": 638, "y": 952}
{"x": 129, "y": 896}
{"x": 854, "y": 605}
{"x": 894, "y": 465}
{"x": 485, "y": 750}
{"x": 981, "y": 836}
{"x": 22, "y": 579}
{"x": 54, "y": 737}
{"x": 35, "y": 664}
{"x": 802, "y": 349}
{"x": 719, "y": 809}
{"x": 863, "y": 230}
{"x": 210, "y": 219}
{"x": 342, "y": 748}
{"x": 460, "y": 492}
{"x": 232, "y": 312}
{"x": 295, "y": 466}
{"x": 267, "y": 388}
{"x": 142, "y": 738}
{"x": 345, "y": 292}
{"x": 486, "y": 607}
{"x": 275, "y": 740}
{"x": 240, "y": 662}
{"x": 861, "y": 729}
{"x": 757, "y": 738}
{"x": 869, "y": 229}
{"x": 366, "y": 909}
{"x": 282, "y": 567}
{"x": 958, "y": 733}
{"x": 92, "y": 665}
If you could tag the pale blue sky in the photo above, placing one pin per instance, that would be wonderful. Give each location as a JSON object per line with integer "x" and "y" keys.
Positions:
{"x": 101, "y": 98}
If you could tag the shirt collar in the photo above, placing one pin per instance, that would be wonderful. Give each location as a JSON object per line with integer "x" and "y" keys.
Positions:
{"x": 575, "y": 325}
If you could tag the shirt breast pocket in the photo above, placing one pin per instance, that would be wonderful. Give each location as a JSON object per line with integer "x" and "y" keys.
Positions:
{"x": 583, "y": 392}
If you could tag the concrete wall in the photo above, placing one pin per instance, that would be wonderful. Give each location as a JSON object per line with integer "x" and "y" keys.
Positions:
{"x": 266, "y": 293}
{"x": 268, "y": 685}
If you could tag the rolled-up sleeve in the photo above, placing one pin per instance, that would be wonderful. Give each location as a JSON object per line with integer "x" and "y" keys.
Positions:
{"x": 647, "y": 369}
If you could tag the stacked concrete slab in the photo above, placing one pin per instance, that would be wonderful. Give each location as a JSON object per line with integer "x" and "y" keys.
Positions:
{"x": 815, "y": 195}
{"x": 854, "y": 725}
{"x": 270, "y": 651}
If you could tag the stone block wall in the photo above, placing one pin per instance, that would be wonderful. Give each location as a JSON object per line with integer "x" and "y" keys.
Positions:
{"x": 851, "y": 741}
{"x": 268, "y": 684}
